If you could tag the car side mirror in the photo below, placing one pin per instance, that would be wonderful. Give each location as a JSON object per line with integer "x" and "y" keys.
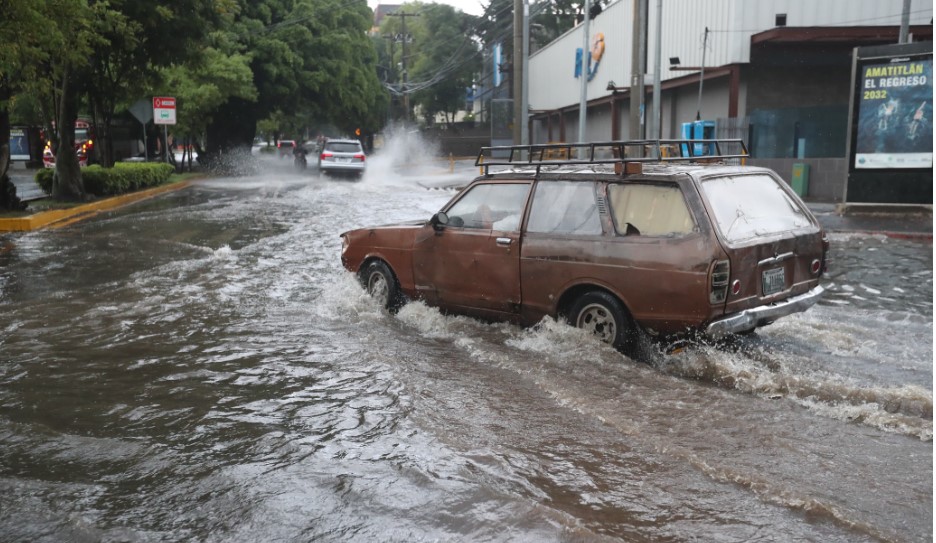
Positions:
{"x": 439, "y": 220}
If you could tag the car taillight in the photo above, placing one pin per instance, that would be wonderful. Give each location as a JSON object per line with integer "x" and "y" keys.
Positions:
{"x": 720, "y": 274}
{"x": 824, "y": 265}
{"x": 360, "y": 156}
{"x": 326, "y": 155}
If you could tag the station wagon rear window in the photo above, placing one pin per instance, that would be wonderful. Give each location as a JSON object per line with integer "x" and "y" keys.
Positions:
{"x": 649, "y": 210}
{"x": 749, "y": 206}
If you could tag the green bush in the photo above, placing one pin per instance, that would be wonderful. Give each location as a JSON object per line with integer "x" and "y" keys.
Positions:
{"x": 44, "y": 179}
{"x": 122, "y": 178}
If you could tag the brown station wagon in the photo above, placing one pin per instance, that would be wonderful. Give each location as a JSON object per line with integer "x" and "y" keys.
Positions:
{"x": 669, "y": 246}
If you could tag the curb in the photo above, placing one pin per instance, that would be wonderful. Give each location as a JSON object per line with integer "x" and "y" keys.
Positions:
{"x": 916, "y": 236}
{"x": 913, "y": 236}
{"x": 58, "y": 218}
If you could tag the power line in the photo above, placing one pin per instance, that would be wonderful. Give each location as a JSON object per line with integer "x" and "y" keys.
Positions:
{"x": 448, "y": 68}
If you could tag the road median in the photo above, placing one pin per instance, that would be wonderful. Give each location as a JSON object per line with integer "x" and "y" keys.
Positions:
{"x": 58, "y": 218}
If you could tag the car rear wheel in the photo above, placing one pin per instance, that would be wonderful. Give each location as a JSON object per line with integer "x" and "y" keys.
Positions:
{"x": 604, "y": 316}
{"x": 382, "y": 285}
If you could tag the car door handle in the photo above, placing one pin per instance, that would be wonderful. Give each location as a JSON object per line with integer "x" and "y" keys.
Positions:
{"x": 504, "y": 242}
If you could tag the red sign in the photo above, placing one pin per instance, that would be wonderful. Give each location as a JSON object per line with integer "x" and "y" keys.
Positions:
{"x": 164, "y": 110}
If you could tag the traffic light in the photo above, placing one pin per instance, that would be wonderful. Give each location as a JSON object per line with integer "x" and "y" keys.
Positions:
{"x": 357, "y": 131}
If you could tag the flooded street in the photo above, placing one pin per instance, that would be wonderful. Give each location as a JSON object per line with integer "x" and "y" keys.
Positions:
{"x": 199, "y": 367}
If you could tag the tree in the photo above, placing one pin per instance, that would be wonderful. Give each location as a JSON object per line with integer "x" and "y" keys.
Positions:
{"x": 551, "y": 19}
{"x": 310, "y": 59}
{"x": 136, "y": 39}
{"x": 202, "y": 88}
{"x": 230, "y": 63}
{"x": 66, "y": 52}
{"x": 21, "y": 35}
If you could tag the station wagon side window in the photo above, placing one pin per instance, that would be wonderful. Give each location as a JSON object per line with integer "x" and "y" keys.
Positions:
{"x": 490, "y": 207}
{"x": 650, "y": 209}
{"x": 564, "y": 207}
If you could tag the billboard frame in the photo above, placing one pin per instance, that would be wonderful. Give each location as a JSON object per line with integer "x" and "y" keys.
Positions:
{"x": 884, "y": 185}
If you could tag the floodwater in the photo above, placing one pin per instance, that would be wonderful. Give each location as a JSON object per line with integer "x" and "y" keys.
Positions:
{"x": 199, "y": 367}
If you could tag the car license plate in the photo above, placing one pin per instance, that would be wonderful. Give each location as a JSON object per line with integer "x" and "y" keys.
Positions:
{"x": 773, "y": 281}
{"x": 344, "y": 160}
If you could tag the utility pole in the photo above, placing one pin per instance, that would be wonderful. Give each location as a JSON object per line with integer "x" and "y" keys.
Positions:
{"x": 905, "y": 23}
{"x": 391, "y": 71}
{"x": 638, "y": 69}
{"x": 516, "y": 82}
{"x": 525, "y": 81}
{"x": 655, "y": 128}
{"x": 405, "y": 38}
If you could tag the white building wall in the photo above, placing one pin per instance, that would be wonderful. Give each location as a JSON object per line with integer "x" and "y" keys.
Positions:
{"x": 731, "y": 24}
{"x": 552, "y": 69}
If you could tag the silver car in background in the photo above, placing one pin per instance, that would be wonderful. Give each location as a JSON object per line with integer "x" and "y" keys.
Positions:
{"x": 342, "y": 157}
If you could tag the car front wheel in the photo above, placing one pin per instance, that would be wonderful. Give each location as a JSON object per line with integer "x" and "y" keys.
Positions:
{"x": 382, "y": 285}
{"x": 604, "y": 316}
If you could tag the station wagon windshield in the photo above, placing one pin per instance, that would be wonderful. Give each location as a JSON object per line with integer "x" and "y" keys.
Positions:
{"x": 748, "y": 206}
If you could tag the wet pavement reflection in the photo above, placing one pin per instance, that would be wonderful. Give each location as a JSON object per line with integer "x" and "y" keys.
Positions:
{"x": 199, "y": 367}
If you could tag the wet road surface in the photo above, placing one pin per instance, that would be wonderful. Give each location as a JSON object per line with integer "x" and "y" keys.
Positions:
{"x": 200, "y": 367}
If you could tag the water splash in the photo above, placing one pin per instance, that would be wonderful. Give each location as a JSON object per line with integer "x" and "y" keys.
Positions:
{"x": 406, "y": 158}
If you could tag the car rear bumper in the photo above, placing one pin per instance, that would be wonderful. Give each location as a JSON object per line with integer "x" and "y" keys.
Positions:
{"x": 759, "y": 316}
{"x": 348, "y": 167}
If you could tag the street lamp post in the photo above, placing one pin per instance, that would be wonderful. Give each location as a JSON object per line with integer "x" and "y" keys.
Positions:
{"x": 698, "y": 115}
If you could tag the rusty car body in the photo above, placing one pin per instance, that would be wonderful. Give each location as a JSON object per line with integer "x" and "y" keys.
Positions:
{"x": 666, "y": 246}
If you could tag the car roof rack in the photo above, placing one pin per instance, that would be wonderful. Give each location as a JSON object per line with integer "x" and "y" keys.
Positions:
{"x": 623, "y": 154}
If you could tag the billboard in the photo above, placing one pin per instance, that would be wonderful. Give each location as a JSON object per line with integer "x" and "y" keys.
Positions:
{"x": 890, "y": 125}
{"x": 19, "y": 144}
{"x": 895, "y": 114}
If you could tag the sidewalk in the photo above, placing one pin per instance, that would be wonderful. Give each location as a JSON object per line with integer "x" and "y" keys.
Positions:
{"x": 26, "y": 187}
{"x": 912, "y": 223}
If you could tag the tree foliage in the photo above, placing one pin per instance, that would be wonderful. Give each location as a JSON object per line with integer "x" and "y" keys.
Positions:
{"x": 553, "y": 18}
{"x": 311, "y": 60}
{"x": 93, "y": 54}
{"x": 66, "y": 70}
{"x": 136, "y": 39}
{"x": 20, "y": 54}
{"x": 230, "y": 63}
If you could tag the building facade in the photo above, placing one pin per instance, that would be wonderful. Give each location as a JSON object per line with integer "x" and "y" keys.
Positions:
{"x": 776, "y": 73}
